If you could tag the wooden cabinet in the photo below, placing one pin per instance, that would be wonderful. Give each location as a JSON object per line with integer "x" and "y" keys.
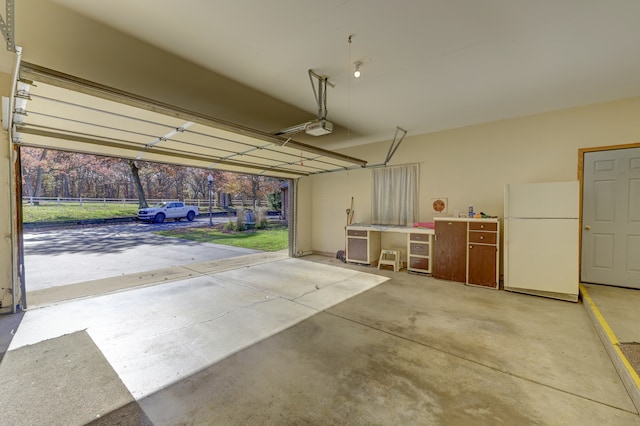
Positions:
{"x": 467, "y": 250}
{"x": 363, "y": 246}
{"x": 449, "y": 261}
{"x": 483, "y": 254}
{"x": 419, "y": 252}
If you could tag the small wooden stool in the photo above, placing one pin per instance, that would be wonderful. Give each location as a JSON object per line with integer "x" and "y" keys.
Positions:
{"x": 391, "y": 258}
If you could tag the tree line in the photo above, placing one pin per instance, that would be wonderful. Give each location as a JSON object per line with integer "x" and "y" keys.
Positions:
{"x": 50, "y": 173}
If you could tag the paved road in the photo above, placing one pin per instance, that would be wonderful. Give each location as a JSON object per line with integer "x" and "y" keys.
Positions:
{"x": 67, "y": 256}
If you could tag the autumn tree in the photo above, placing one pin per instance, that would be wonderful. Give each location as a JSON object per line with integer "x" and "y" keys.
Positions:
{"x": 253, "y": 187}
{"x": 50, "y": 173}
{"x": 197, "y": 181}
{"x": 142, "y": 201}
{"x": 34, "y": 165}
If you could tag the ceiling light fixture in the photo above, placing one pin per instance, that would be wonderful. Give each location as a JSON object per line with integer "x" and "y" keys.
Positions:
{"x": 356, "y": 73}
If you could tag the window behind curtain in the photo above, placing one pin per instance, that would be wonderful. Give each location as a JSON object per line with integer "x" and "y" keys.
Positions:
{"x": 395, "y": 195}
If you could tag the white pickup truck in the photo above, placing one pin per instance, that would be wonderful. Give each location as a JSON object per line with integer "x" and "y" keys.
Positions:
{"x": 168, "y": 210}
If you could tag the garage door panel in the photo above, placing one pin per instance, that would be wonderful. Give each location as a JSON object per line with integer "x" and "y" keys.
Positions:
{"x": 70, "y": 114}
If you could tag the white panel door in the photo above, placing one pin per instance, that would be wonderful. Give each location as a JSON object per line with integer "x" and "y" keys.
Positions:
{"x": 611, "y": 218}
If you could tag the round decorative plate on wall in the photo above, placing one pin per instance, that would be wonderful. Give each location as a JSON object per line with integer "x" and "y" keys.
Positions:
{"x": 439, "y": 205}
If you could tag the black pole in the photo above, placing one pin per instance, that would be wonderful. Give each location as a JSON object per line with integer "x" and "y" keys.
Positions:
{"x": 210, "y": 179}
{"x": 210, "y": 211}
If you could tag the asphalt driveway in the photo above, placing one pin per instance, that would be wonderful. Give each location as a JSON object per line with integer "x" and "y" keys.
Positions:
{"x": 67, "y": 256}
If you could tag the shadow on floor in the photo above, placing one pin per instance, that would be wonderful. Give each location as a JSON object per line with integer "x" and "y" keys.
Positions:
{"x": 8, "y": 325}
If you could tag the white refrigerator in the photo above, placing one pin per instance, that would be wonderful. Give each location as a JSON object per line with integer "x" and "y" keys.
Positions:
{"x": 541, "y": 239}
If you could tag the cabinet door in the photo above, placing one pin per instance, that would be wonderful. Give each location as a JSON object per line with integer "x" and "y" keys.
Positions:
{"x": 357, "y": 249}
{"x": 450, "y": 251}
{"x": 482, "y": 265}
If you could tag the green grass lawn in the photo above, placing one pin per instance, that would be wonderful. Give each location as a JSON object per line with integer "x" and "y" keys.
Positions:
{"x": 74, "y": 211}
{"x": 53, "y": 212}
{"x": 272, "y": 239}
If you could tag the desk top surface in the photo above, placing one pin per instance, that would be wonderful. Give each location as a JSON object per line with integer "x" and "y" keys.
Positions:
{"x": 390, "y": 228}
{"x": 466, "y": 219}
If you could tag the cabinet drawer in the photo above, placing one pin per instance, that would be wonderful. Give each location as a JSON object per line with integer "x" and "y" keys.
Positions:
{"x": 419, "y": 237}
{"x": 419, "y": 263}
{"x": 419, "y": 249}
{"x": 353, "y": 233}
{"x": 482, "y": 237}
{"x": 482, "y": 226}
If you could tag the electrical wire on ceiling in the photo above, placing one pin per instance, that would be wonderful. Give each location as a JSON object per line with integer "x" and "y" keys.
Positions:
{"x": 400, "y": 133}
{"x": 349, "y": 90}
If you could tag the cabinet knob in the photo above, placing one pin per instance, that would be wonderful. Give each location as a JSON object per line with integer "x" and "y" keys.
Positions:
{"x": 470, "y": 247}
{"x": 588, "y": 228}
{"x": 481, "y": 226}
{"x": 482, "y": 238}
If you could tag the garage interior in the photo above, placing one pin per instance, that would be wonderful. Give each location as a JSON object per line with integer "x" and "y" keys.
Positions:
{"x": 300, "y": 337}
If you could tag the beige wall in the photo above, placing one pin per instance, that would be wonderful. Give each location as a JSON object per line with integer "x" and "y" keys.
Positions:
{"x": 471, "y": 165}
{"x": 303, "y": 207}
{"x": 330, "y": 198}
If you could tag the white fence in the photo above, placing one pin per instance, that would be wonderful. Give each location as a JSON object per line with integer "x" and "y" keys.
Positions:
{"x": 200, "y": 202}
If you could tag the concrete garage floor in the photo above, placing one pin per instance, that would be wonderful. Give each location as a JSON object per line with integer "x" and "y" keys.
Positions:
{"x": 408, "y": 350}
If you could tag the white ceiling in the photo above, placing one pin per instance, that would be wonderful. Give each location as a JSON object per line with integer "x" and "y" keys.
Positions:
{"x": 429, "y": 65}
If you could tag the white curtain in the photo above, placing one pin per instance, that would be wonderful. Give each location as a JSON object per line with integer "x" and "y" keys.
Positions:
{"x": 395, "y": 195}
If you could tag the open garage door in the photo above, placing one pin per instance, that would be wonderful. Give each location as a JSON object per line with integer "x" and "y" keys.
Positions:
{"x": 57, "y": 111}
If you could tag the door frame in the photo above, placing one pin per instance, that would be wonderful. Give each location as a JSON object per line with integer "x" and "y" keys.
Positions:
{"x": 581, "y": 153}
